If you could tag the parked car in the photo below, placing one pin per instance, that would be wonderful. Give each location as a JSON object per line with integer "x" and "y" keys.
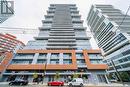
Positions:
{"x": 19, "y": 82}
{"x": 55, "y": 83}
{"x": 76, "y": 82}
{"x": 113, "y": 80}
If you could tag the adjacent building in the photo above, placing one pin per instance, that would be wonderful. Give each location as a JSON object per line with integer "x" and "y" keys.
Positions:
{"x": 8, "y": 46}
{"x": 9, "y": 43}
{"x": 62, "y": 46}
{"x": 111, "y": 30}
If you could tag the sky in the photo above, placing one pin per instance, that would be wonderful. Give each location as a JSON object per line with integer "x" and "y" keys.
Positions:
{"x": 29, "y": 13}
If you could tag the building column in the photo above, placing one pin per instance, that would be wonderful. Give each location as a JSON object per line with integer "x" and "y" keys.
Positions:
{"x": 61, "y": 58}
{"x": 48, "y": 58}
{"x": 35, "y": 58}
{"x": 107, "y": 79}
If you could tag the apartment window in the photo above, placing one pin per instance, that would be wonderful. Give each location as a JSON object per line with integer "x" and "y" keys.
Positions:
{"x": 67, "y": 55}
{"x": 111, "y": 68}
{"x": 41, "y": 61}
{"x": 47, "y": 22}
{"x": 77, "y": 22}
{"x": 21, "y": 61}
{"x": 74, "y": 12}
{"x": 80, "y": 33}
{"x": 126, "y": 52}
{"x": 79, "y": 55}
{"x": 120, "y": 61}
{"x": 77, "y": 25}
{"x": 129, "y": 58}
{"x": 67, "y": 61}
{"x": 54, "y": 55}
{"x": 43, "y": 33}
{"x": 83, "y": 47}
{"x": 109, "y": 64}
{"x": 24, "y": 56}
{"x": 124, "y": 59}
{"x": 51, "y": 12}
{"x": 35, "y": 47}
{"x": 100, "y": 28}
{"x": 49, "y": 17}
{"x": 119, "y": 38}
{"x": 47, "y": 25}
{"x": 80, "y": 61}
{"x": 118, "y": 67}
{"x": 54, "y": 61}
{"x": 37, "y": 43}
{"x": 105, "y": 30}
{"x": 52, "y": 8}
{"x": 83, "y": 41}
{"x": 75, "y": 17}
{"x": 73, "y": 8}
{"x": 42, "y": 56}
{"x": 95, "y": 56}
{"x": 126, "y": 65}
{"x": 96, "y": 61}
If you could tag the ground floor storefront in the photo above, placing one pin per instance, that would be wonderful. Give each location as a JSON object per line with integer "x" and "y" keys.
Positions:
{"x": 120, "y": 75}
{"x": 88, "y": 77}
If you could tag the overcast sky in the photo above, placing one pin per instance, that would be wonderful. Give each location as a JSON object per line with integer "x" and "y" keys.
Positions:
{"x": 29, "y": 13}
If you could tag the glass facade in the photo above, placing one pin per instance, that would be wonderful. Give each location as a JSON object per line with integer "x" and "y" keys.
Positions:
{"x": 42, "y": 56}
{"x": 110, "y": 34}
{"x": 54, "y": 55}
{"x": 41, "y": 61}
{"x": 21, "y": 61}
{"x": 61, "y": 46}
{"x": 67, "y": 56}
{"x": 67, "y": 61}
{"x": 96, "y": 61}
{"x": 79, "y": 55}
{"x": 54, "y": 61}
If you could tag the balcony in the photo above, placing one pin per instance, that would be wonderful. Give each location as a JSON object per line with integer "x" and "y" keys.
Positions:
{"x": 47, "y": 21}
{"x": 50, "y": 11}
{"x": 61, "y": 44}
{"x": 62, "y": 34}
{"x": 77, "y": 21}
{"x": 62, "y": 37}
{"x": 66, "y": 31}
{"x": 63, "y": 29}
{"x": 61, "y": 40}
{"x": 61, "y": 47}
{"x": 75, "y": 15}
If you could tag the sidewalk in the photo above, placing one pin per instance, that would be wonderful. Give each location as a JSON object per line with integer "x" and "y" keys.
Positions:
{"x": 94, "y": 85}
{"x": 99, "y": 85}
{"x": 107, "y": 85}
{"x": 86, "y": 85}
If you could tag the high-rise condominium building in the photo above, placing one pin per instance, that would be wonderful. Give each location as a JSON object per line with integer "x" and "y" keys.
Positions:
{"x": 111, "y": 30}
{"x": 62, "y": 47}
